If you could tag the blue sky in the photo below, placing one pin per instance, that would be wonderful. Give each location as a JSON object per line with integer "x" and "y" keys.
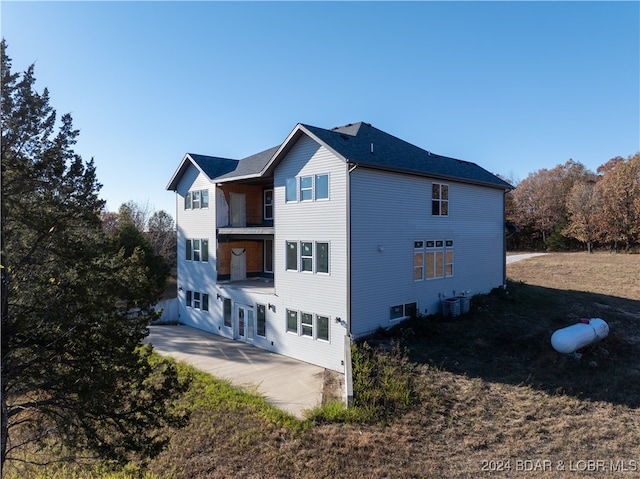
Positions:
{"x": 512, "y": 86}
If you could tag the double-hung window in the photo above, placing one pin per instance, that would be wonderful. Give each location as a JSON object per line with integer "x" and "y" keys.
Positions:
{"x": 439, "y": 199}
{"x": 306, "y": 188}
{"x": 306, "y": 323}
{"x": 306, "y": 256}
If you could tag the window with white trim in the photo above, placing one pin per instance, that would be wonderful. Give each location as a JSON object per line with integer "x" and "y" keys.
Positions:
{"x": 418, "y": 260}
{"x": 292, "y": 321}
{"x": 292, "y": 256}
{"x": 261, "y": 320}
{"x": 197, "y": 199}
{"x": 306, "y": 188}
{"x": 306, "y": 256}
{"x": 306, "y": 324}
{"x": 403, "y": 311}
{"x": 290, "y": 188}
{"x": 438, "y": 259}
{"x": 226, "y": 311}
{"x": 439, "y": 199}
{"x": 322, "y": 187}
{"x": 197, "y": 300}
{"x": 322, "y": 326}
{"x": 322, "y": 257}
{"x": 268, "y": 204}
{"x": 197, "y": 250}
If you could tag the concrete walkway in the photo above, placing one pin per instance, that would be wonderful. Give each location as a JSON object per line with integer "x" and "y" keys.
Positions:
{"x": 288, "y": 384}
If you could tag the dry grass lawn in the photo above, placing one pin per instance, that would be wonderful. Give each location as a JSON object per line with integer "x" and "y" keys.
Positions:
{"x": 493, "y": 398}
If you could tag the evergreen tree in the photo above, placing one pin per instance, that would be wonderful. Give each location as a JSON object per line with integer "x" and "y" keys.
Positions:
{"x": 76, "y": 377}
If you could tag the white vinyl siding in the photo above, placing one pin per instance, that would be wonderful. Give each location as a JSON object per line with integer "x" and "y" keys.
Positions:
{"x": 196, "y": 224}
{"x": 320, "y": 223}
{"x": 390, "y": 215}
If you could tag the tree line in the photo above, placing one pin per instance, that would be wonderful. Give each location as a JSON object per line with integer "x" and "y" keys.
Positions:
{"x": 78, "y": 291}
{"x": 569, "y": 207}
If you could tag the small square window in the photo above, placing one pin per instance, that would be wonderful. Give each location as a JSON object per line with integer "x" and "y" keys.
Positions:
{"x": 396, "y": 312}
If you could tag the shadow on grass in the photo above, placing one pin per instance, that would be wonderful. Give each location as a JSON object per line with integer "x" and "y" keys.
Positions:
{"x": 506, "y": 338}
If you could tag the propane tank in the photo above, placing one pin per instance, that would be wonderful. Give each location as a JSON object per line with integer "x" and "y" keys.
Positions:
{"x": 568, "y": 340}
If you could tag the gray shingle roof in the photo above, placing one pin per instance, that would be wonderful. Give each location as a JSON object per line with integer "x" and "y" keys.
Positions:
{"x": 250, "y": 165}
{"x": 358, "y": 143}
{"x": 214, "y": 166}
{"x": 355, "y": 143}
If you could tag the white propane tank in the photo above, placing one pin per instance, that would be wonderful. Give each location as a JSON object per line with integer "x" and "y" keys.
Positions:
{"x": 568, "y": 340}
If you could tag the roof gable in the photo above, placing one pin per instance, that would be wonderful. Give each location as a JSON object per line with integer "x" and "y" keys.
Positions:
{"x": 211, "y": 166}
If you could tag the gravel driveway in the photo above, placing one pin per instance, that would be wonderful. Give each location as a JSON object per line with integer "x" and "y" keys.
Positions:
{"x": 517, "y": 257}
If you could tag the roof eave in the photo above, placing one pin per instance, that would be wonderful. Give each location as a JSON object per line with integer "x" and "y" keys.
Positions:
{"x": 438, "y": 176}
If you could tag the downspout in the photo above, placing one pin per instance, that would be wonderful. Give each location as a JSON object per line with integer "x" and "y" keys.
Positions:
{"x": 350, "y": 168}
{"x": 348, "y": 372}
{"x": 504, "y": 239}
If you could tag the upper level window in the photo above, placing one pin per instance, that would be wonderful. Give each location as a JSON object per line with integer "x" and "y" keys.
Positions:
{"x": 290, "y": 190}
{"x": 197, "y": 250}
{"x": 322, "y": 187}
{"x": 197, "y": 199}
{"x": 306, "y": 256}
{"x": 268, "y": 204}
{"x": 292, "y": 255}
{"x": 308, "y": 188}
{"x": 439, "y": 199}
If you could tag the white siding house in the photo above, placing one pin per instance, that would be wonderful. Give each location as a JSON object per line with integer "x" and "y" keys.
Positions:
{"x": 331, "y": 235}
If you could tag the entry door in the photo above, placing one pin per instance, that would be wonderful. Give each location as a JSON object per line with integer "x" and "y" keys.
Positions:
{"x": 238, "y": 264}
{"x": 238, "y": 210}
{"x": 245, "y": 323}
